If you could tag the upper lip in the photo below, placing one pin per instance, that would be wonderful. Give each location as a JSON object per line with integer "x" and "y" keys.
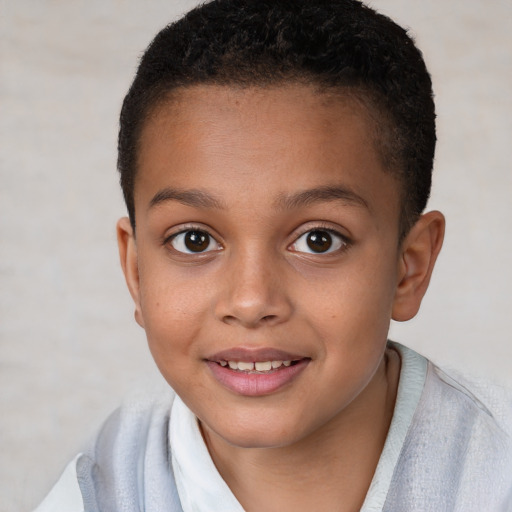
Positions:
{"x": 250, "y": 355}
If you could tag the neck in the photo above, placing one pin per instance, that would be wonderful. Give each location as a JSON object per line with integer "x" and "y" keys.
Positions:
{"x": 330, "y": 469}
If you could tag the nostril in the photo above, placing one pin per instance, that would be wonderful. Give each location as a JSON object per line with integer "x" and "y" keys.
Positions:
{"x": 232, "y": 319}
{"x": 229, "y": 319}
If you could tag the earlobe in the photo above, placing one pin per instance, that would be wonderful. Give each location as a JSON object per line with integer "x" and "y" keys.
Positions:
{"x": 128, "y": 257}
{"x": 418, "y": 255}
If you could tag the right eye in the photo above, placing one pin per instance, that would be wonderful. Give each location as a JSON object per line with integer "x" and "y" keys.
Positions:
{"x": 319, "y": 241}
{"x": 193, "y": 241}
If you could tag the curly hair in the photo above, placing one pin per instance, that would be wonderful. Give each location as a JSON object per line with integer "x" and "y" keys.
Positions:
{"x": 330, "y": 44}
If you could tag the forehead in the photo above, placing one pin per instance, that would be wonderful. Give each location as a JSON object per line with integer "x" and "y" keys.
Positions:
{"x": 277, "y": 140}
{"x": 257, "y": 114}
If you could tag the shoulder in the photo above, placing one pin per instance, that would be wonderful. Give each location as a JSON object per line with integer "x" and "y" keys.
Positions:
{"x": 473, "y": 405}
{"x": 142, "y": 418}
{"x": 126, "y": 463}
{"x": 457, "y": 454}
{"x": 494, "y": 398}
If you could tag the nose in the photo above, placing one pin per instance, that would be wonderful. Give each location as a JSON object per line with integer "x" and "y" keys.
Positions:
{"x": 253, "y": 292}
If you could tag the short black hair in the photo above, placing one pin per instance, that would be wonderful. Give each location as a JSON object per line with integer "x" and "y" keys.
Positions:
{"x": 331, "y": 44}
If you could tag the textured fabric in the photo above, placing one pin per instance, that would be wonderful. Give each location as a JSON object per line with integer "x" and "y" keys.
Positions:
{"x": 127, "y": 468}
{"x": 445, "y": 451}
{"x": 456, "y": 457}
{"x": 410, "y": 388}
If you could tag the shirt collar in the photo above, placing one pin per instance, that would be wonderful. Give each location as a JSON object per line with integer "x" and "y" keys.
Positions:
{"x": 200, "y": 486}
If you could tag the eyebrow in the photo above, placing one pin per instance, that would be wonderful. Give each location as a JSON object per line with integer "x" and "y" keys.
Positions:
{"x": 195, "y": 198}
{"x": 202, "y": 199}
{"x": 321, "y": 194}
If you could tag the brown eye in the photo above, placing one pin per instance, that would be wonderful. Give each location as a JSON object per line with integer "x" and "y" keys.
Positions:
{"x": 319, "y": 241}
{"x": 194, "y": 241}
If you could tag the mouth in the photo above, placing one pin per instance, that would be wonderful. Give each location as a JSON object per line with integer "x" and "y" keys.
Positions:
{"x": 258, "y": 366}
{"x": 256, "y": 372}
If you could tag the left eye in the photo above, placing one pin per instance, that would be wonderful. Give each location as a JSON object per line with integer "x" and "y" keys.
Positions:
{"x": 318, "y": 241}
{"x": 194, "y": 241}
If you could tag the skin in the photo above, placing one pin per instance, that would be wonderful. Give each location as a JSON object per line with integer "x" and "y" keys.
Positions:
{"x": 315, "y": 441}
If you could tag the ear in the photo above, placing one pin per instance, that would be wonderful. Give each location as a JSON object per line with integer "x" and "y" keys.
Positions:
{"x": 418, "y": 255}
{"x": 128, "y": 256}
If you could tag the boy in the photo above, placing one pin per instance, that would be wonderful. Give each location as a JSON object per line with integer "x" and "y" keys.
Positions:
{"x": 275, "y": 159}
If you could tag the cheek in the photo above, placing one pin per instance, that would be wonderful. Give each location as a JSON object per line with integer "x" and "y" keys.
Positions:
{"x": 352, "y": 295}
{"x": 351, "y": 308}
{"x": 173, "y": 309}
{"x": 167, "y": 290}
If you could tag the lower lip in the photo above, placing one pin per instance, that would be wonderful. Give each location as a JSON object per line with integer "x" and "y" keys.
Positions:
{"x": 256, "y": 384}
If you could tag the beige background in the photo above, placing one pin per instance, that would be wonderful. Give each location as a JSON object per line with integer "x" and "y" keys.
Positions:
{"x": 69, "y": 348}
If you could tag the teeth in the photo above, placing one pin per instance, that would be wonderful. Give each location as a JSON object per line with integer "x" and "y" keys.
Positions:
{"x": 264, "y": 366}
{"x": 259, "y": 366}
{"x": 242, "y": 365}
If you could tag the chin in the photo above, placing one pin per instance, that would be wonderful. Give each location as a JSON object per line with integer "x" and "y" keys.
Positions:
{"x": 258, "y": 434}
{"x": 261, "y": 440}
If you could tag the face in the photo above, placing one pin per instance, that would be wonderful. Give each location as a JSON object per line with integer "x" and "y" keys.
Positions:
{"x": 266, "y": 259}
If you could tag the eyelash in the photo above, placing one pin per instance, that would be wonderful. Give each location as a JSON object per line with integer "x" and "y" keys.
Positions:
{"x": 339, "y": 241}
{"x": 179, "y": 238}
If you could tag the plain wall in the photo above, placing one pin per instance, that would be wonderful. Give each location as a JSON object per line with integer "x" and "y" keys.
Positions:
{"x": 69, "y": 348}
